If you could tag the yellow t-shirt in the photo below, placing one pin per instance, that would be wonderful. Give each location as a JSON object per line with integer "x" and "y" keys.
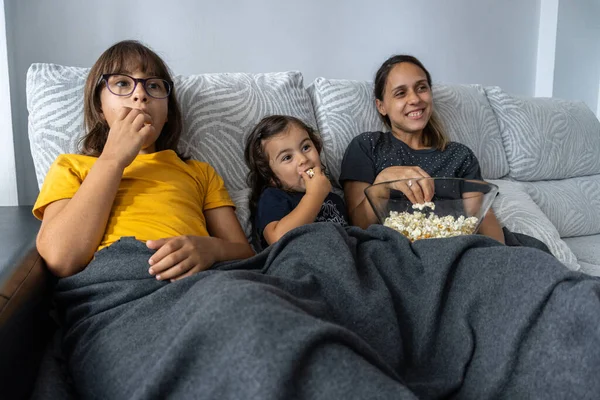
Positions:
{"x": 159, "y": 195}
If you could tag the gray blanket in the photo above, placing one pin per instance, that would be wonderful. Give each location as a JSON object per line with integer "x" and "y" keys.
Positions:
{"x": 333, "y": 313}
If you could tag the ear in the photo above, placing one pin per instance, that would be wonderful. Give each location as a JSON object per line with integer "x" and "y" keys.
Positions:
{"x": 380, "y": 107}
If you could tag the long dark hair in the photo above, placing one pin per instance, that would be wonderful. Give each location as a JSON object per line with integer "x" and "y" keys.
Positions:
{"x": 433, "y": 134}
{"x": 260, "y": 174}
{"x": 127, "y": 55}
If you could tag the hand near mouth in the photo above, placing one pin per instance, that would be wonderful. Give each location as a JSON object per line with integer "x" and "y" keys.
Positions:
{"x": 317, "y": 185}
{"x": 126, "y": 136}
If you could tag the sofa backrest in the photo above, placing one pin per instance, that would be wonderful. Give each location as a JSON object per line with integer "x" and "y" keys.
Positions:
{"x": 219, "y": 111}
{"x": 553, "y": 146}
{"x": 546, "y": 138}
{"x": 505, "y": 132}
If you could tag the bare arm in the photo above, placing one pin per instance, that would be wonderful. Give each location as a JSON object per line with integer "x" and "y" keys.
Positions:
{"x": 491, "y": 227}
{"x": 223, "y": 225}
{"x": 305, "y": 213}
{"x": 72, "y": 229}
{"x": 317, "y": 189}
{"x": 359, "y": 210}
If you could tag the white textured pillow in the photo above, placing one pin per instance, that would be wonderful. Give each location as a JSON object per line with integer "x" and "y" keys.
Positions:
{"x": 219, "y": 111}
{"x": 55, "y": 105}
{"x": 515, "y": 210}
{"x": 546, "y": 138}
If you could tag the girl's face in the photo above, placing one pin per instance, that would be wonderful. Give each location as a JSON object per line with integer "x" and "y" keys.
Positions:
{"x": 157, "y": 109}
{"x": 290, "y": 153}
{"x": 407, "y": 99}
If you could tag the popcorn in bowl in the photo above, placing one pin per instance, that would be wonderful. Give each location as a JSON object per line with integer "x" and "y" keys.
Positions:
{"x": 456, "y": 207}
{"x": 418, "y": 225}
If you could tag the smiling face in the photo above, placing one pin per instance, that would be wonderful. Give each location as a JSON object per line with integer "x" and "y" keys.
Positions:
{"x": 407, "y": 100}
{"x": 290, "y": 153}
{"x": 139, "y": 99}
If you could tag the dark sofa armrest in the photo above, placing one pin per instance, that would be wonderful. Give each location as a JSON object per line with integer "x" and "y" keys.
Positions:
{"x": 25, "y": 290}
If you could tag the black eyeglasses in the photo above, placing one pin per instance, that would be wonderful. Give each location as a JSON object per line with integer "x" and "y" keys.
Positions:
{"x": 124, "y": 85}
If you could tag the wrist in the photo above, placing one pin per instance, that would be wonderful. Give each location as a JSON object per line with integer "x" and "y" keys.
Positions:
{"x": 111, "y": 163}
{"x": 316, "y": 196}
{"x": 219, "y": 249}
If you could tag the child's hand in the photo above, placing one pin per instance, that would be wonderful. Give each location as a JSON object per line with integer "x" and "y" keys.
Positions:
{"x": 180, "y": 256}
{"x": 127, "y": 136}
{"x": 318, "y": 185}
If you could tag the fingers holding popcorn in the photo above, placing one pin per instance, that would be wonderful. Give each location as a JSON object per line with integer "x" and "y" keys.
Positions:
{"x": 318, "y": 184}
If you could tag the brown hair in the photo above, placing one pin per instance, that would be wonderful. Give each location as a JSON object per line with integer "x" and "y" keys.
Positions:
{"x": 127, "y": 55}
{"x": 260, "y": 174}
{"x": 433, "y": 134}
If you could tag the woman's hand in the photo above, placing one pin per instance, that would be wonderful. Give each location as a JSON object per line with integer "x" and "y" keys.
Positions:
{"x": 127, "y": 136}
{"x": 319, "y": 185}
{"x": 416, "y": 191}
{"x": 181, "y": 256}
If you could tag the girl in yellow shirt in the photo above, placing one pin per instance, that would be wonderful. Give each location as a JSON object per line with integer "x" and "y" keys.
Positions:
{"x": 130, "y": 180}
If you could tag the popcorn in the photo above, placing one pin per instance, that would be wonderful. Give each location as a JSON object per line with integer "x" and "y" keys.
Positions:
{"x": 418, "y": 225}
{"x": 310, "y": 173}
{"x": 421, "y": 206}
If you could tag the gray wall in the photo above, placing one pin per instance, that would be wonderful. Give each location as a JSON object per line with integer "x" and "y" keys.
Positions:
{"x": 577, "y": 68}
{"x": 460, "y": 41}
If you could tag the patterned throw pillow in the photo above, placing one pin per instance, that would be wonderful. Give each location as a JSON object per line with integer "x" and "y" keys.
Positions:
{"x": 515, "y": 210}
{"x": 469, "y": 119}
{"x": 571, "y": 204}
{"x": 346, "y": 108}
{"x": 547, "y": 138}
{"x": 219, "y": 111}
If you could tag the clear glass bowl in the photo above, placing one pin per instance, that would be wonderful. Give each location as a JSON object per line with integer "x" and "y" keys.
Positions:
{"x": 457, "y": 207}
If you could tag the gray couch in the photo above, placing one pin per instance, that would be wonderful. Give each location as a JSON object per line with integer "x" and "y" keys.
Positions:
{"x": 542, "y": 153}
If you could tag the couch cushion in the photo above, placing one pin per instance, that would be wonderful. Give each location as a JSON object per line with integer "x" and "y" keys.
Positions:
{"x": 587, "y": 250}
{"x": 515, "y": 210}
{"x": 573, "y": 205}
{"x": 219, "y": 110}
{"x": 346, "y": 108}
{"x": 590, "y": 269}
{"x": 470, "y": 120}
{"x": 343, "y": 109}
{"x": 547, "y": 138}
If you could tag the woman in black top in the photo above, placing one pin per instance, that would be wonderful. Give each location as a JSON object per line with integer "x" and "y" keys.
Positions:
{"x": 415, "y": 147}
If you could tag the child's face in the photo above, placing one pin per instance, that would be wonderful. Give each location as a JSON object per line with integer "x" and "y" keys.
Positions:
{"x": 290, "y": 153}
{"x": 157, "y": 109}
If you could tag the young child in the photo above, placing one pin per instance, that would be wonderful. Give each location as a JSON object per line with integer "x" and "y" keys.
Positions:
{"x": 288, "y": 183}
{"x": 130, "y": 180}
